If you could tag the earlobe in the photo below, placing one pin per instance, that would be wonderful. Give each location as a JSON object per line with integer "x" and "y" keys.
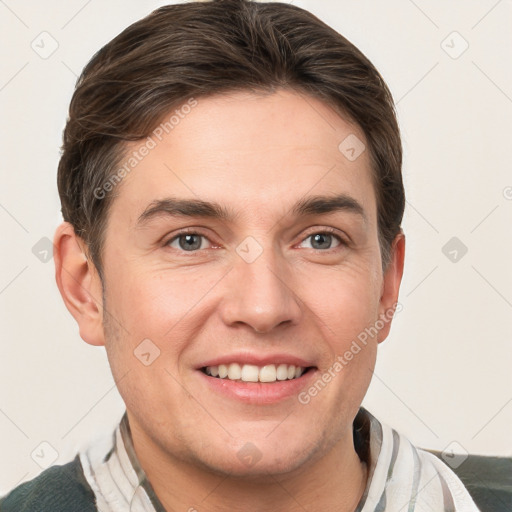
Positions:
{"x": 391, "y": 285}
{"x": 79, "y": 283}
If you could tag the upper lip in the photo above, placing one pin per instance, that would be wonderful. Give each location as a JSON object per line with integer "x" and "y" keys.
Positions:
{"x": 257, "y": 360}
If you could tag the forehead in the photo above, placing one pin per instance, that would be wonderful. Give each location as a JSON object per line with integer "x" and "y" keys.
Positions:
{"x": 254, "y": 153}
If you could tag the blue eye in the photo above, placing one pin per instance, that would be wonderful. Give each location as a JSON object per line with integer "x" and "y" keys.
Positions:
{"x": 323, "y": 240}
{"x": 189, "y": 242}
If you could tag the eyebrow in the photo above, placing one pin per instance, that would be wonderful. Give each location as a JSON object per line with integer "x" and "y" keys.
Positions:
{"x": 313, "y": 205}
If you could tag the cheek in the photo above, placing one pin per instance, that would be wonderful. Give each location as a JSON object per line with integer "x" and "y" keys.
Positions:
{"x": 345, "y": 306}
{"x": 147, "y": 337}
{"x": 346, "y": 300}
{"x": 168, "y": 307}
{"x": 155, "y": 300}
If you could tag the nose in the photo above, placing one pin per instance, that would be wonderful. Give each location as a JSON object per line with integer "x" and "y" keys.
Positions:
{"x": 260, "y": 294}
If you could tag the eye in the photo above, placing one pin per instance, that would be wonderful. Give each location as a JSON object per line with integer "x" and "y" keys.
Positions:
{"x": 322, "y": 240}
{"x": 189, "y": 242}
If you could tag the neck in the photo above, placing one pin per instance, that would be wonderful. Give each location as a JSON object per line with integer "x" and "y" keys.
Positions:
{"x": 185, "y": 485}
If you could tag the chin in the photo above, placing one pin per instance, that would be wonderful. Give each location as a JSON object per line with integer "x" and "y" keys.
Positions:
{"x": 255, "y": 463}
{"x": 263, "y": 471}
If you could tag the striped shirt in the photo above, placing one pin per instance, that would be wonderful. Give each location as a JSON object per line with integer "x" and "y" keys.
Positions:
{"x": 404, "y": 478}
{"x": 401, "y": 478}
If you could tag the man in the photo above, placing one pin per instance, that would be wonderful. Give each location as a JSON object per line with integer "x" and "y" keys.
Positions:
{"x": 232, "y": 195}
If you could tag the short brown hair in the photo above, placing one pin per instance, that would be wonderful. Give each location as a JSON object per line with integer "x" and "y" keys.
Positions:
{"x": 199, "y": 49}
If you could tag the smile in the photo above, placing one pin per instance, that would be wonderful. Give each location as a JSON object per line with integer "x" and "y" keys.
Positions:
{"x": 253, "y": 373}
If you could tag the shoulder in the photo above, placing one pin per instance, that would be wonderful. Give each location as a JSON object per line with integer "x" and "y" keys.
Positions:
{"x": 401, "y": 473}
{"x": 487, "y": 478}
{"x": 59, "y": 489}
{"x": 434, "y": 483}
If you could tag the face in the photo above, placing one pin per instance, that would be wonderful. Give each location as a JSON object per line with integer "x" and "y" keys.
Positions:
{"x": 273, "y": 260}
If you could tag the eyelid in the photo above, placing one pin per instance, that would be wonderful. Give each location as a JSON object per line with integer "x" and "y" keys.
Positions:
{"x": 183, "y": 232}
{"x": 331, "y": 231}
{"x": 314, "y": 230}
{"x": 343, "y": 242}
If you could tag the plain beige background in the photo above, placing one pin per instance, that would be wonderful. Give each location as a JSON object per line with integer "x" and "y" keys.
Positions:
{"x": 443, "y": 376}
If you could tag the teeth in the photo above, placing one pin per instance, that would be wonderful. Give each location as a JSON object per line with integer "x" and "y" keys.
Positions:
{"x": 249, "y": 373}
{"x": 253, "y": 373}
{"x": 223, "y": 371}
{"x": 268, "y": 373}
{"x": 282, "y": 372}
{"x": 234, "y": 371}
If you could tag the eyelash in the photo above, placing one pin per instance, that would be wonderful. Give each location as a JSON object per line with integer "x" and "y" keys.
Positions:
{"x": 329, "y": 231}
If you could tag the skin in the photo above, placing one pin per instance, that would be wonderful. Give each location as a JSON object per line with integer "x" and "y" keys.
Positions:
{"x": 257, "y": 155}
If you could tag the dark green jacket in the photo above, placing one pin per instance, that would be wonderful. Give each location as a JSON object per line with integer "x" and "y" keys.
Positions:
{"x": 64, "y": 488}
{"x": 57, "y": 489}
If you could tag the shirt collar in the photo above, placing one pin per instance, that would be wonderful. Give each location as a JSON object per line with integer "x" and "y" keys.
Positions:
{"x": 367, "y": 441}
{"x": 127, "y": 447}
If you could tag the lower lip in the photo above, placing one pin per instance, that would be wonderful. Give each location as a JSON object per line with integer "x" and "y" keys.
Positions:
{"x": 259, "y": 392}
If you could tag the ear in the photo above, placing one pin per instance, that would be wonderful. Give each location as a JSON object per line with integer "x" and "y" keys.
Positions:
{"x": 79, "y": 283}
{"x": 391, "y": 285}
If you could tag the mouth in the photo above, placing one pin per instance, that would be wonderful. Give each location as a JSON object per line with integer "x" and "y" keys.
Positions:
{"x": 257, "y": 378}
{"x": 248, "y": 373}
